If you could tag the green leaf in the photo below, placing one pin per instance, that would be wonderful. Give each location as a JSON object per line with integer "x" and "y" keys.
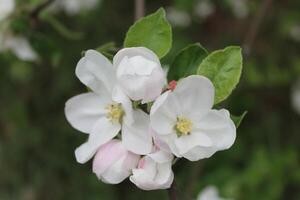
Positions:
{"x": 187, "y": 61}
{"x": 153, "y": 32}
{"x": 223, "y": 68}
{"x": 238, "y": 119}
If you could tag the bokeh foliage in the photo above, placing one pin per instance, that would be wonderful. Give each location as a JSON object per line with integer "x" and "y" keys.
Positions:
{"x": 37, "y": 144}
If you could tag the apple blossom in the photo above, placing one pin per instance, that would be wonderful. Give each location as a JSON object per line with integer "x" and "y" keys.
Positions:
{"x": 183, "y": 119}
{"x": 210, "y": 193}
{"x": 113, "y": 163}
{"x": 139, "y": 73}
{"x": 6, "y": 8}
{"x": 104, "y": 111}
{"x": 154, "y": 171}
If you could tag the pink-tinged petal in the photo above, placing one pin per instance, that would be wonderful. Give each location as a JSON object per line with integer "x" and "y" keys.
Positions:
{"x": 136, "y": 137}
{"x": 107, "y": 155}
{"x": 95, "y": 71}
{"x": 113, "y": 163}
{"x": 84, "y": 110}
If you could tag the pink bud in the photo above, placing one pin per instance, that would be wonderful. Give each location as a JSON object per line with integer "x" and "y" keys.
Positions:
{"x": 172, "y": 85}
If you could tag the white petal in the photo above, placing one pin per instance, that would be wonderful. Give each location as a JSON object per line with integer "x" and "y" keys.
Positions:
{"x": 218, "y": 126}
{"x": 119, "y": 97}
{"x": 102, "y": 132}
{"x": 195, "y": 94}
{"x": 6, "y": 8}
{"x": 136, "y": 137}
{"x": 84, "y": 110}
{"x": 161, "y": 156}
{"x": 95, "y": 71}
{"x": 185, "y": 143}
{"x": 198, "y": 153}
{"x": 135, "y": 51}
{"x": 164, "y": 113}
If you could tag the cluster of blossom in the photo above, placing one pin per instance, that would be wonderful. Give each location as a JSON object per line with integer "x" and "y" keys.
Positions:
{"x": 137, "y": 124}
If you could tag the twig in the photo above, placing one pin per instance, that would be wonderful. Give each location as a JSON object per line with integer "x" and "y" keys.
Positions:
{"x": 36, "y": 11}
{"x": 255, "y": 25}
{"x": 139, "y": 9}
{"x": 172, "y": 191}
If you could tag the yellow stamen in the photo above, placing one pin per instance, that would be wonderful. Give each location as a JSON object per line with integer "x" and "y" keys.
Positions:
{"x": 183, "y": 126}
{"x": 115, "y": 112}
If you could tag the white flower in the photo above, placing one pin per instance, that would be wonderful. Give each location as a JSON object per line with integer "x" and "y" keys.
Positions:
{"x": 295, "y": 97}
{"x": 104, "y": 111}
{"x": 154, "y": 171}
{"x": 185, "y": 121}
{"x": 210, "y": 193}
{"x": 73, "y": 7}
{"x": 6, "y": 8}
{"x": 139, "y": 73}
{"x": 113, "y": 163}
{"x": 19, "y": 46}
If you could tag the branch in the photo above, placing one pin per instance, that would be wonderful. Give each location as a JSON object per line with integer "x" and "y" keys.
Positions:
{"x": 173, "y": 192}
{"x": 255, "y": 25}
{"x": 139, "y": 9}
{"x": 36, "y": 11}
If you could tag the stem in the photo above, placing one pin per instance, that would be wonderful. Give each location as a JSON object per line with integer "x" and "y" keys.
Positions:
{"x": 139, "y": 9}
{"x": 35, "y": 12}
{"x": 173, "y": 192}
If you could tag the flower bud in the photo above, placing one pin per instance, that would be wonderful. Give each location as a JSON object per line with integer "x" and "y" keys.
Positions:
{"x": 113, "y": 163}
{"x": 139, "y": 73}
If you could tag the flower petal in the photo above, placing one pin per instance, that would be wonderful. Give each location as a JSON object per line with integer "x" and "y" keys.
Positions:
{"x": 136, "y": 137}
{"x": 84, "y": 110}
{"x": 135, "y": 51}
{"x": 219, "y": 127}
{"x": 195, "y": 94}
{"x": 185, "y": 143}
{"x": 161, "y": 156}
{"x": 119, "y": 97}
{"x": 95, "y": 71}
{"x": 163, "y": 113}
{"x": 103, "y": 131}
{"x": 107, "y": 155}
{"x": 198, "y": 153}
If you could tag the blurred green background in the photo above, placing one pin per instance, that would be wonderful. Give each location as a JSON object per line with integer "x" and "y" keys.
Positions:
{"x": 37, "y": 144}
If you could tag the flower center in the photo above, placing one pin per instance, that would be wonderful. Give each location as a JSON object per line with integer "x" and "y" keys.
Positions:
{"x": 115, "y": 112}
{"x": 183, "y": 126}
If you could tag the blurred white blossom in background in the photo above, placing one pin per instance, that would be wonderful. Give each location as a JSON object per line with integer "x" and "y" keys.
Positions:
{"x": 210, "y": 193}
{"x": 295, "y": 96}
{"x": 6, "y": 8}
{"x": 204, "y": 8}
{"x": 178, "y": 18}
{"x": 19, "y": 45}
{"x": 73, "y": 7}
{"x": 239, "y": 8}
{"x": 295, "y": 33}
